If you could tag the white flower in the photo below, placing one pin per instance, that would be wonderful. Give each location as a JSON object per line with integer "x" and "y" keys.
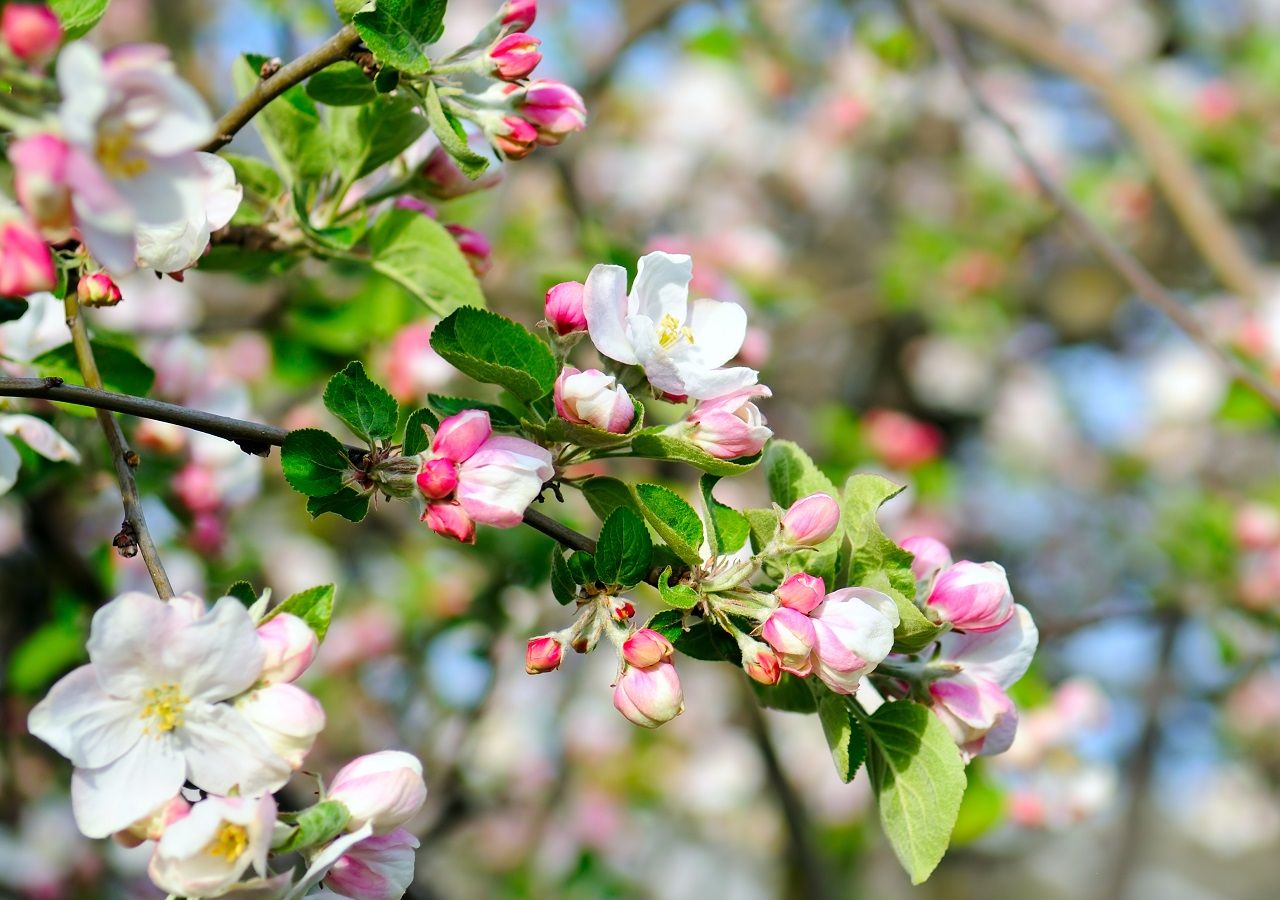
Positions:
{"x": 36, "y": 434}
{"x": 144, "y": 716}
{"x": 204, "y": 853}
{"x": 680, "y": 345}
{"x": 287, "y": 717}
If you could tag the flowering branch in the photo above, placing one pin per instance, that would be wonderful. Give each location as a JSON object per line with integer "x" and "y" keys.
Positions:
{"x": 1139, "y": 279}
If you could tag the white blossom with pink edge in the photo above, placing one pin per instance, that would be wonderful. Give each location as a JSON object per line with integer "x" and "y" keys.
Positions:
{"x": 205, "y": 852}
{"x": 973, "y": 703}
{"x": 378, "y": 868}
{"x": 730, "y": 426}
{"x": 853, "y": 628}
{"x": 146, "y": 714}
{"x": 37, "y": 434}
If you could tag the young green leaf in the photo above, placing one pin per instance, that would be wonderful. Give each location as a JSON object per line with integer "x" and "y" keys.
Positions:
{"x": 244, "y": 592}
{"x": 701, "y": 640}
{"x": 563, "y": 585}
{"x": 122, "y": 372}
{"x": 664, "y": 446}
{"x": 417, "y": 253}
{"x": 623, "y": 549}
{"x": 675, "y": 521}
{"x": 77, "y": 17}
{"x": 582, "y": 567}
{"x": 349, "y": 503}
{"x": 314, "y": 462}
{"x": 844, "y": 735}
{"x": 316, "y": 825}
{"x": 449, "y": 132}
{"x": 764, "y": 527}
{"x": 341, "y": 84}
{"x": 496, "y": 350}
{"x": 499, "y": 417}
{"x": 729, "y": 528}
{"x": 679, "y": 595}
{"x": 918, "y": 777}
{"x": 415, "y": 437}
{"x": 290, "y": 125}
{"x": 790, "y": 694}
{"x": 313, "y": 606}
{"x": 792, "y": 474}
{"x": 400, "y": 31}
{"x": 365, "y": 137}
{"x": 605, "y": 494}
{"x": 366, "y": 407}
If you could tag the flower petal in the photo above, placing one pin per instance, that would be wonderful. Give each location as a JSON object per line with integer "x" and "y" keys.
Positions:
{"x": 719, "y": 327}
{"x": 1001, "y": 656}
{"x": 126, "y": 640}
{"x": 40, "y": 436}
{"x": 224, "y": 752}
{"x": 662, "y": 286}
{"x": 218, "y": 655}
{"x": 84, "y": 723}
{"x": 604, "y": 302}
{"x": 703, "y": 384}
{"x": 10, "y": 463}
{"x": 113, "y": 797}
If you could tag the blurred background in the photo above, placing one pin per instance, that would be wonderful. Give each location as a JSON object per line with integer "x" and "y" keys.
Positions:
{"x": 918, "y": 311}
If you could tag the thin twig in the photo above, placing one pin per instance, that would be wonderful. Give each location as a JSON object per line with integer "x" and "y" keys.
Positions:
{"x": 336, "y": 49}
{"x": 1142, "y": 282}
{"x": 134, "y": 535}
{"x": 1184, "y": 190}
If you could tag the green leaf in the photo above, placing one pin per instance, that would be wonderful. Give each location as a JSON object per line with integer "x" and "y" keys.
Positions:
{"x": 679, "y": 595}
{"x": 844, "y": 735}
{"x": 316, "y": 825}
{"x": 792, "y": 474}
{"x": 121, "y": 371}
{"x": 415, "y": 437}
{"x": 918, "y": 777}
{"x": 563, "y": 585}
{"x": 790, "y": 694}
{"x": 313, "y": 606}
{"x": 46, "y": 653}
{"x": 349, "y": 503}
{"x": 448, "y": 130}
{"x": 623, "y": 549}
{"x": 417, "y": 253}
{"x": 675, "y": 521}
{"x": 582, "y": 567}
{"x": 561, "y": 430}
{"x": 729, "y": 528}
{"x": 341, "y": 84}
{"x": 314, "y": 462}
{"x": 700, "y": 640}
{"x": 387, "y": 80}
{"x": 499, "y": 417}
{"x": 605, "y": 494}
{"x": 290, "y": 125}
{"x": 366, "y": 137}
{"x": 256, "y": 176}
{"x": 400, "y": 31}
{"x": 764, "y": 526}
{"x": 367, "y": 408}
{"x": 496, "y": 350}
{"x": 244, "y": 592}
{"x": 665, "y": 446}
{"x": 12, "y": 308}
{"x": 77, "y": 16}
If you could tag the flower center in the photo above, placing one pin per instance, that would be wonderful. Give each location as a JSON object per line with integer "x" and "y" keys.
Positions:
{"x": 165, "y": 706}
{"x": 671, "y": 332}
{"x": 231, "y": 841}
{"x": 118, "y": 155}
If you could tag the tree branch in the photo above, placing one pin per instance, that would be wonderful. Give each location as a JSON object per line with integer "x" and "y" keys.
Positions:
{"x": 1183, "y": 189}
{"x": 134, "y": 535}
{"x": 336, "y": 49}
{"x": 1141, "y": 281}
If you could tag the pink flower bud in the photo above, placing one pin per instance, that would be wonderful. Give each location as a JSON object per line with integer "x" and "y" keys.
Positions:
{"x": 518, "y": 15}
{"x": 931, "y": 556}
{"x": 564, "y": 308}
{"x": 474, "y": 246}
{"x": 414, "y": 204}
{"x": 972, "y": 596}
{"x": 445, "y": 181}
{"x": 40, "y": 164}
{"x": 385, "y": 789}
{"x": 555, "y": 110}
{"x": 791, "y": 634}
{"x": 515, "y": 56}
{"x": 516, "y": 138}
{"x": 438, "y": 478}
{"x": 593, "y": 398}
{"x": 543, "y": 654}
{"x": 377, "y": 868}
{"x": 854, "y": 633}
{"x": 286, "y": 717}
{"x": 646, "y": 648}
{"x": 811, "y": 520}
{"x": 451, "y": 521}
{"x": 760, "y": 663}
{"x": 32, "y": 32}
{"x": 730, "y": 426}
{"x": 98, "y": 290}
{"x": 289, "y": 646}
{"x": 461, "y": 435}
{"x": 26, "y": 265}
{"x": 648, "y": 697}
{"x": 801, "y": 592}
{"x": 901, "y": 441}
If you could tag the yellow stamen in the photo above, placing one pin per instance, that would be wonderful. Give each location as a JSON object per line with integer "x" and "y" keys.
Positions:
{"x": 118, "y": 154}
{"x": 165, "y": 704}
{"x": 232, "y": 840}
{"x": 671, "y": 332}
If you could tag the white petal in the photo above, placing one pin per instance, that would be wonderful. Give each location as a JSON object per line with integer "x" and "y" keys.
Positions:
{"x": 705, "y": 384}
{"x": 325, "y": 859}
{"x": 663, "y": 368}
{"x": 604, "y": 301}
{"x": 719, "y": 327}
{"x": 662, "y": 286}
{"x": 1001, "y": 656}
{"x": 84, "y": 91}
{"x": 222, "y": 193}
{"x": 40, "y": 436}
{"x": 126, "y": 639}
{"x": 10, "y": 463}
{"x": 225, "y": 752}
{"x": 113, "y": 797}
{"x": 218, "y": 655}
{"x": 85, "y": 724}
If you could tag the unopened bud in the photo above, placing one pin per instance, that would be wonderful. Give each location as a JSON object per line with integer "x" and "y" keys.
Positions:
{"x": 474, "y": 246}
{"x": 438, "y": 478}
{"x": 543, "y": 654}
{"x": 384, "y": 789}
{"x": 646, "y": 648}
{"x": 810, "y": 520}
{"x": 564, "y": 309}
{"x": 289, "y": 645}
{"x": 515, "y": 56}
{"x": 760, "y": 663}
{"x": 32, "y": 32}
{"x": 515, "y": 137}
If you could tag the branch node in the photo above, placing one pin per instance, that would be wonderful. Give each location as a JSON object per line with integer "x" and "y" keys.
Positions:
{"x": 126, "y": 541}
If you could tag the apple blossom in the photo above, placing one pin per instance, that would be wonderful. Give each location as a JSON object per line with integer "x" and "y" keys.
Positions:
{"x": 593, "y": 398}
{"x": 288, "y": 718}
{"x": 515, "y": 56}
{"x": 32, "y": 31}
{"x": 519, "y": 15}
{"x": 646, "y": 648}
{"x": 145, "y": 715}
{"x": 973, "y": 703}
{"x": 98, "y": 289}
{"x": 931, "y": 556}
{"x": 209, "y": 849}
{"x": 972, "y": 596}
{"x": 553, "y": 108}
{"x": 810, "y": 520}
{"x": 791, "y": 634}
{"x": 383, "y": 789}
{"x": 41, "y": 181}
{"x": 680, "y": 345}
{"x": 759, "y": 662}
{"x": 564, "y": 309}
{"x": 150, "y": 828}
{"x": 514, "y": 137}
{"x": 474, "y": 246}
{"x": 853, "y": 631}
{"x": 543, "y": 654}
{"x": 649, "y": 696}
{"x": 26, "y": 265}
{"x": 497, "y": 476}
{"x": 37, "y": 434}
{"x": 801, "y": 592}
{"x": 730, "y": 426}
{"x": 289, "y": 645}
{"x": 376, "y": 868}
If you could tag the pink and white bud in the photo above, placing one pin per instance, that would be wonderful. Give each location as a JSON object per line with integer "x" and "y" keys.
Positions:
{"x": 513, "y": 57}
{"x": 98, "y": 289}
{"x": 519, "y": 15}
{"x": 208, "y": 850}
{"x": 384, "y": 789}
{"x": 474, "y": 246}
{"x": 555, "y": 110}
{"x": 648, "y": 697}
{"x": 289, "y": 646}
{"x": 853, "y": 631}
{"x": 515, "y": 137}
{"x": 730, "y": 426}
{"x": 900, "y": 440}
{"x": 543, "y": 654}
{"x": 286, "y": 717}
{"x": 438, "y": 478}
{"x": 792, "y": 635}
{"x": 801, "y": 592}
{"x": 972, "y": 596}
{"x": 40, "y": 164}
{"x": 593, "y": 398}
{"x": 810, "y": 520}
{"x": 931, "y": 557}
{"x": 564, "y": 309}
{"x": 646, "y": 648}
{"x": 450, "y": 520}
{"x": 26, "y": 265}
{"x": 377, "y": 868}
{"x": 445, "y": 181}
{"x": 461, "y": 435}
{"x": 760, "y": 663}
{"x": 32, "y": 32}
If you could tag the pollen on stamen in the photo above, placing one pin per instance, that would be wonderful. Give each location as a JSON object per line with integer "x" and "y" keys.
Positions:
{"x": 230, "y": 842}
{"x": 671, "y": 332}
{"x": 165, "y": 707}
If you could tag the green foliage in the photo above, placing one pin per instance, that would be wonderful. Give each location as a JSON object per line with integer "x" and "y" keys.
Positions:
{"x": 791, "y": 474}
{"x": 314, "y": 462}
{"x": 372, "y": 134}
{"x": 77, "y": 16}
{"x": 12, "y": 308}
{"x": 290, "y": 125}
{"x": 664, "y": 446}
{"x": 582, "y": 567}
{"x": 561, "y": 430}
{"x": 493, "y": 349}
{"x": 604, "y": 494}
{"x": 366, "y": 408}
{"x": 764, "y": 526}
{"x": 844, "y": 736}
{"x": 313, "y": 606}
{"x": 675, "y": 521}
{"x": 244, "y": 592}
{"x": 790, "y": 694}
{"x": 349, "y": 503}
{"x": 448, "y": 130}
{"x": 121, "y": 371}
{"x": 679, "y": 595}
{"x": 315, "y": 825}
{"x": 499, "y": 417}
{"x": 729, "y": 528}
{"x": 623, "y": 549}
{"x": 400, "y": 31}
{"x": 415, "y": 437}
{"x": 417, "y": 253}
{"x": 918, "y": 777}
{"x": 700, "y": 640}
{"x": 341, "y": 84}
{"x": 563, "y": 585}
